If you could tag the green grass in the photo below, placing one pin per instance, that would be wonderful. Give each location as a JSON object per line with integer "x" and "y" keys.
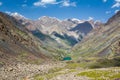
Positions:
{"x": 1, "y": 63}
{"x": 54, "y": 70}
{"x": 95, "y": 62}
{"x": 51, "y": 73}
{"x": 104, "y": 63}
{"x": 47, "y": 76}
{"x": 92, "y": 74}
{"x": 37, "y": 77}
{"x": 73, "y": 65}
{"x": 109, "y": 74}
{"x": 83, "y": 63}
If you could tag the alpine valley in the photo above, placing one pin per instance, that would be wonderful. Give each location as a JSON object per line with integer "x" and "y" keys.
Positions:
{"x": 54, "y": 49}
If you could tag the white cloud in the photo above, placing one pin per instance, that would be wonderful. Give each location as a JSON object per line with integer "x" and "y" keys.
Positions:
{"x": 1, "y": 3}
{"x": 44, "y": 2}
{"x": 104, "y": 0}
{"x": 116, "y": 11}
{"x": 108, "y": 12}
{"x": 48, "y": 1}
{"x": 117, "y": 4}
{"x": 67, "y": 3}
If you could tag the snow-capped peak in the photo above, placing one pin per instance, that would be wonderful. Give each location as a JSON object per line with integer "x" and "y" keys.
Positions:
{"x": 78, "y": 20}
{"x": 15, "y": 14}
{"x": 90, "y": 18}
{"x": 47, "y": 17}
{"x": 75, "y": 19}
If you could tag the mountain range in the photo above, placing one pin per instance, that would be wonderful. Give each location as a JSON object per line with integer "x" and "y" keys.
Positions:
{"x": 65, "y": 33}
{"x": 49, "y": 38}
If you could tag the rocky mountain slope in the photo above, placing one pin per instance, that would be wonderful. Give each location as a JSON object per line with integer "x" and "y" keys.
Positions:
{"x": 60, "y": 32}
{"x": 17, "y": 44}
{"x": 102, "y": 42}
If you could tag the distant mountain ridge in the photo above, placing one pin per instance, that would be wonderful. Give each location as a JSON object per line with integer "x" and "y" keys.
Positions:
{"x": 73, "y": 29}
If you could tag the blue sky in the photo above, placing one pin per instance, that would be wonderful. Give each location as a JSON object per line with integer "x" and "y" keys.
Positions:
{"x": 62, "y": 9}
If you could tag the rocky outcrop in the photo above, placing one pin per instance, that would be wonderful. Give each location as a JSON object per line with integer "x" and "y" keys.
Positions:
{"x": 16, "y": 43}
{"x": 23, "y": 71}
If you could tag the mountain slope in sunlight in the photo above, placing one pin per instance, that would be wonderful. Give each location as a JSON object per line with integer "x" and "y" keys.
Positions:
{"x": 17, "y": 44}
{"x": 103, "y": 41}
